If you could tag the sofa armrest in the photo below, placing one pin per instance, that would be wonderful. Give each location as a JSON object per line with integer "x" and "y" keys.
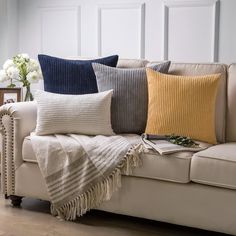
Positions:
{"x": 17, "y": 120}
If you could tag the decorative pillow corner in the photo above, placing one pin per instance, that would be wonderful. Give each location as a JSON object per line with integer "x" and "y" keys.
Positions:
{"x": 130, "y": 95}
{"x": 162, "y": 67}
{"x": 182, "y": 105}
{"x": 71, "y": 76}
{"x": 83, "y": 114}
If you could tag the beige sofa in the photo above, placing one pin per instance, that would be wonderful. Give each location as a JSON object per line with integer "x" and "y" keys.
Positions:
{"x": 194, "y": 190}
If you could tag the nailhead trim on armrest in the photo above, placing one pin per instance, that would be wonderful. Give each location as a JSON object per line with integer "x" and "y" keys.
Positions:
{"x": 4, "y": 156}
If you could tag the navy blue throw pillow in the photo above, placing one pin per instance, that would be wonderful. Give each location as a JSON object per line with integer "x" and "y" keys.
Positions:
{"x": 71, "y": 76}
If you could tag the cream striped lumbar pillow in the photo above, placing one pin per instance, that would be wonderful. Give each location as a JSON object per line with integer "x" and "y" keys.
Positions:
{"x": 84, "y": 114}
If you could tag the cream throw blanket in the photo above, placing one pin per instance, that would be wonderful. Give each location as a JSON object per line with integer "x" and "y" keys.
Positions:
{"x": 82, "y": 171}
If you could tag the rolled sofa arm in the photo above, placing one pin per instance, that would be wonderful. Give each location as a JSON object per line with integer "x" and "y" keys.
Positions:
{"x": 17, "y": 120}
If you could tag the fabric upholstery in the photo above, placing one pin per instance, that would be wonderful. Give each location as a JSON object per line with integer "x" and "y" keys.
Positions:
{"x": 231, "y": 105}
{"x": 131, "y": 63}
{"x": 182, "y": 105}
{"x": 24, "y": 184}
{"x": 28, "y": 154}
{"x": 174, "y": 167}
{"x": 129, "y": 100}
{"x": 191, "y": 204}
{"x": 83, "y": 114}
{"x": 17, "y": 120}
{"x": 215, "y": 166}
{"x": 205, "y": 69}
{"x": 71, "y": 76}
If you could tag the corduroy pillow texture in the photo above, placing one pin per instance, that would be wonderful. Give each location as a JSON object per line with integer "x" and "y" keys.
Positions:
{"x": 71, "y": 76}
{"x": 182, "y": 105}
{"x": 130, "y": 95}
{"x": 84, "y": 114}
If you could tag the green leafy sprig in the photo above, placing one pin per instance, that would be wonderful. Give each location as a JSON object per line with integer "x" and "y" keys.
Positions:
{"x": 182, "y": 141}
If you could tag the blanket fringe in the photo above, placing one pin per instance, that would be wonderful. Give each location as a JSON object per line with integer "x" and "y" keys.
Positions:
{"x": 102, "y": 191}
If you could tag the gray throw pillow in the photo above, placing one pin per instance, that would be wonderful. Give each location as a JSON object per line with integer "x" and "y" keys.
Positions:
{"x": 130, "y": 95}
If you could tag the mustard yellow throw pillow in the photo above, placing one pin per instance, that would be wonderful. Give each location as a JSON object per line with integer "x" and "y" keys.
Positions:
{"x": 182, "y": 105}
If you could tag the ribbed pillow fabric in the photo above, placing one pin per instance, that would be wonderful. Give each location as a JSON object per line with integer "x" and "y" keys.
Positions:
{"x": 182, "y": 105}
{"x": 83, "y": 114}
{"x": 71, "y": 76}
{"x": 130, "y": 95}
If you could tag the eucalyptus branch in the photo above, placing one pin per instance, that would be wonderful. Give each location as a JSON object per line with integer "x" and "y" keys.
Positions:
{"x": 182, "y": 140}
{"x": 175, "y": 139}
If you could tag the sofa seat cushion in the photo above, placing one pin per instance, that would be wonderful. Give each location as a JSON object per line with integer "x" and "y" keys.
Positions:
{"x": 173, "y": 167}
{"x": 215, "y": 166}
{"x": 27, "y": 151}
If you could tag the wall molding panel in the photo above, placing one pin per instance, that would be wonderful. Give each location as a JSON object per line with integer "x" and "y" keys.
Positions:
{"x": 60, "y": 30}
{"x": 178, "y": 30}
{"x": 180, "y": 11}
{"x": 132, "y": 20}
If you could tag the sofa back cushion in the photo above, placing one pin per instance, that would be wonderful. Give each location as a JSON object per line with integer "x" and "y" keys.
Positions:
{"x": 67, "y": 76}
{"x": 231, "y": 105}
{"x": 132, "y": 63}
{"x": 122, "y": 63}
{"x": 205, "y": 69}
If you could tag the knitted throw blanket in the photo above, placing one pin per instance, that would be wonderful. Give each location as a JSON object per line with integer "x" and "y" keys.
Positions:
{"x": 82, "y": 171}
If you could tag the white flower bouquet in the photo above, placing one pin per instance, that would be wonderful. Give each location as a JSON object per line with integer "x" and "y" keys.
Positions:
{"x": 22, "y": 69}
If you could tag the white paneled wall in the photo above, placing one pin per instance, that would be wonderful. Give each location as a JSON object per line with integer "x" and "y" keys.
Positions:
{"x": 123, "y": 26}
{"x": 9, "y": 37}
{"x": 60, "y": 26}
{"x": 191, "y": 30}
{"x": 179, "y": 30}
